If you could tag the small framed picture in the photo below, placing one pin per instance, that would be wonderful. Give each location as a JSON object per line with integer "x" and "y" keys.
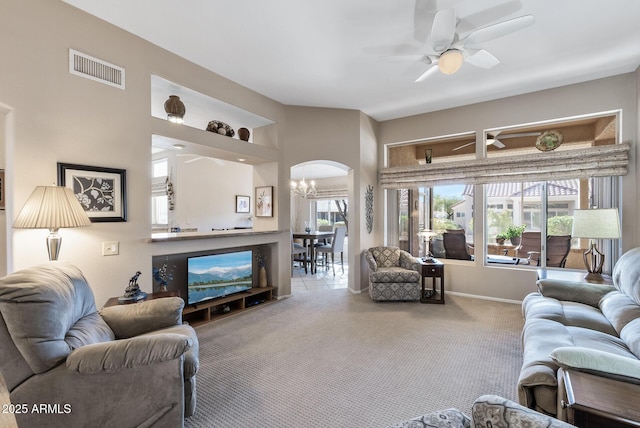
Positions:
{"x": 243, "y": 204}
{"x": 100, "y": 191}
{"x": 264, "y": 201}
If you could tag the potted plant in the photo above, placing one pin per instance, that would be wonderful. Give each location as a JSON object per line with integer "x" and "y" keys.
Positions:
{"x": 514, "y": 233}
{"x": 501, "y": 237}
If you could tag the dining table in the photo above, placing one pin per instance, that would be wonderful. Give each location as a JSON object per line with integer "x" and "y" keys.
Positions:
{"x": 309, "y": 239}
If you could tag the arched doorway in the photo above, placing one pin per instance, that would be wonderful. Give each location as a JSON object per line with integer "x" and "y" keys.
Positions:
{"x": 320, "y": 202}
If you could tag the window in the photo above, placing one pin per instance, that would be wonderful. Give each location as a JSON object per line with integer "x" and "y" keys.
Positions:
{"x": 437, "y": 209}
{"x": 329, "y": 213}
{"x": 159, "y": 195}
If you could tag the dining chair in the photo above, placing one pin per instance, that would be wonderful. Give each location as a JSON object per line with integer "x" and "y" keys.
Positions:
{"x": 336, "y": 246}
{"x": 299, "y": 253}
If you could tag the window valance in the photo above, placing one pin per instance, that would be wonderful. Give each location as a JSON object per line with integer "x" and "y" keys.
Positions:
{"x": 599, "y": 161}
{"x": 330, "y": 194}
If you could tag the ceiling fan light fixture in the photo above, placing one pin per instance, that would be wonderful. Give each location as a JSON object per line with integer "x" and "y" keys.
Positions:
{"x": 450, "y": 61}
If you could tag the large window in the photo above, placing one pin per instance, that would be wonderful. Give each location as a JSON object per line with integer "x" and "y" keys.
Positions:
{"x": 528, "y": 185}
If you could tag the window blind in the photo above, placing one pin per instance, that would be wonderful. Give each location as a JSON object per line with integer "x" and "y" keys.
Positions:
{"x": 598, "y": 161}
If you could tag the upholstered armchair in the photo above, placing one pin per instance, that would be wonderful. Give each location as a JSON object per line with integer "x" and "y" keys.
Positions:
{"x": 129, "y": 365}
{"x": 394, "y": 274}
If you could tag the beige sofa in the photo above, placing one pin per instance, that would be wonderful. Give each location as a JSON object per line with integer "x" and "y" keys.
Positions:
{"x": 584, "y": 326}
{"x": 128, "y": 365}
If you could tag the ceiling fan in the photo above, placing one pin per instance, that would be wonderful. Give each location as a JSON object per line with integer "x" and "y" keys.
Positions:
{"x": 220, "y": 162}
{"x": 492, "y": 139}
{"x": 448, "y": 50}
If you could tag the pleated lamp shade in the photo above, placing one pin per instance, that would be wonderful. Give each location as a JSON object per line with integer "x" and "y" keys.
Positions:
{"x": 52, "y": 207}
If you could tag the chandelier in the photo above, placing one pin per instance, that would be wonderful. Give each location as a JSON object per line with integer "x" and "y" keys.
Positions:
{"x": 302, "y": 189}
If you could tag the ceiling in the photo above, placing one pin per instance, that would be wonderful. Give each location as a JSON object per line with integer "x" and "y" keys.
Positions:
{"x": 335, "y": 53}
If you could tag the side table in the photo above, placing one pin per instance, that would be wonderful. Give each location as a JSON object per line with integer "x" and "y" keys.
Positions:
{"x": 568, "y": 275}
{"x": 433, "y": 269}
{"x": 599, "y": 402}
{"x": 113, "y": 301}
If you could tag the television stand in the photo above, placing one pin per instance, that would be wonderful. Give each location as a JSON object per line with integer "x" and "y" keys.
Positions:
{"x": 212, "y": 310}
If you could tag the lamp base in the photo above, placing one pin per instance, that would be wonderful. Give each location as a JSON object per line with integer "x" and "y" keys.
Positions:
{"x": 54, "y": 242}
{"x": 593, "y": 260}
{"x": 593, "y": 277}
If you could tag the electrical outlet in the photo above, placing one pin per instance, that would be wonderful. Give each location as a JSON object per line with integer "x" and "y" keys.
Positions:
{"x": 110, "y": 248}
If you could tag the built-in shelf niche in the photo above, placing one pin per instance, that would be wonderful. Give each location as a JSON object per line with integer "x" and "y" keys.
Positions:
{"x": 201, "y": 109}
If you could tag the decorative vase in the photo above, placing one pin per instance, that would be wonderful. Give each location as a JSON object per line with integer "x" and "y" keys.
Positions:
{"x": 428, "y": 155}
{"x": 163, "y": 288}
{"x": 262, "y": 277}
{"x": 175, "y": 109}
{"x": 243, "y": 134}
{"x": 500, "y": 241}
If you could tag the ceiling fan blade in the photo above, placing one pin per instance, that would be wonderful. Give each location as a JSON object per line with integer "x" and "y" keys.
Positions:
{"x": 424, "y": 13}
{"x": 444, "y": 29}
{"x": 499, "y": 144}
{"x": 482, "y": 59}
{"x": 464, "y": 145}
{"x": 521, "y": 134}
{"x": 431, "y": 70}
{"x": 487, "y": 16}
{"x": 194, "y": 159}
{"x": 500, "y": 29}
{"x": 405, "y": 58}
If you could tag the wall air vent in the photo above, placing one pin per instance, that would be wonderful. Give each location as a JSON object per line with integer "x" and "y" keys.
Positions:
{"x": 95, "y": 69}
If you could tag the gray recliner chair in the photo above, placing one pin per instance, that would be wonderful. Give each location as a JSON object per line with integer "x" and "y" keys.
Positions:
{"x": 125, "y": 366}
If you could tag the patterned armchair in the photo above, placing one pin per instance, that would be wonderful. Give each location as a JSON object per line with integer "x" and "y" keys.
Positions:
{"x": 487, "y": 411}
{"x": 394, "y": 274}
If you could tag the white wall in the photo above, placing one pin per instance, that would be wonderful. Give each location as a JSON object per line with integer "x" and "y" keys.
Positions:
{"x": 206, "y": 194}
{"x": 613, "y": 93}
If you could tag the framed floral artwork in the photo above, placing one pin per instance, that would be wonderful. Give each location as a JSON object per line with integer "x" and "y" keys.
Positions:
{"x": 101, "y": 191}
{"x": 264, "y": 201}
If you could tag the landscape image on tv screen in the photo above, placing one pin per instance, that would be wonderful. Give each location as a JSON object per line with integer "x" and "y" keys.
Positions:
{"x": 218, "y": 275}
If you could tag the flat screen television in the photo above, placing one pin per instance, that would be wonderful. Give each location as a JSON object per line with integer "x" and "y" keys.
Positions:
{"x": 218, "y": 275}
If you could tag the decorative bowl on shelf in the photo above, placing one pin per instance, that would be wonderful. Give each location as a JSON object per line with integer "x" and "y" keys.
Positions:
{"x": 549, "y": 140}
{"x": 220, "y": 128}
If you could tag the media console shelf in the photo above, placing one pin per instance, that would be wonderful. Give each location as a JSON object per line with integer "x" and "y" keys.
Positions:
{"x": 219, "y": 308}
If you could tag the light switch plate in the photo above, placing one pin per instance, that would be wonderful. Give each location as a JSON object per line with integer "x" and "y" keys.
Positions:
{"x": 110, "y": 248}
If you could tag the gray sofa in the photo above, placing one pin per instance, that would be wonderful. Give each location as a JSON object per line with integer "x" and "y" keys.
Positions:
{"x": 582, "y": 326}
{"x": 394, "y": 274}
{"x": 128, "y": 365}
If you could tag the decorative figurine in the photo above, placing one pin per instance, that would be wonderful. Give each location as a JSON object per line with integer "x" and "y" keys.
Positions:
{"x": 133, "y": 293}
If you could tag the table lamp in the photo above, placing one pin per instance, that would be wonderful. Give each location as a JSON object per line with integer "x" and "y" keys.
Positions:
{"x": 427, "y": 234}
{"x": 52, "y": 207}
{"x": 595, "y": 224}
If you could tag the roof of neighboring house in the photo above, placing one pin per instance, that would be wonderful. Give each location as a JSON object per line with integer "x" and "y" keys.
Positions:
{"x": 512, "y": 190}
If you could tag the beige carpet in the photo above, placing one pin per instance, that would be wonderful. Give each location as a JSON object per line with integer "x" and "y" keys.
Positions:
{"x": 329, "y": 358}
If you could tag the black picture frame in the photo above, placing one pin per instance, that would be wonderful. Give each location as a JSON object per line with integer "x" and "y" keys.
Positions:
{"x": 101, "y": 191}
{"x": 243, "y": 204}
{"x": 2, "y": 190}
